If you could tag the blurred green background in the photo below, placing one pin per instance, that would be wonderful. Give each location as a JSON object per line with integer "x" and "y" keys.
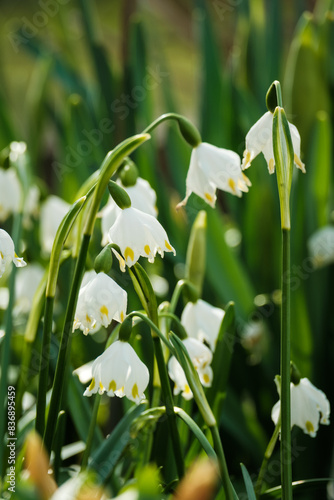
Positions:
{"x": 79, "y": 76}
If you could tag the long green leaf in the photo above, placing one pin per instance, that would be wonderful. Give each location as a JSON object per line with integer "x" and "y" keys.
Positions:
{"x": 248, "y": 483}
{"x": 107, "y": 455}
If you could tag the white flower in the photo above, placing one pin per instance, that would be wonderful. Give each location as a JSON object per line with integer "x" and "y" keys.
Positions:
{"x": 7, "y": 252}
{"x": 119, "y": 371}
{"x": 138, "y": 234}
{"x": 260, "y": 140}
{"x": 202, "y": 321}
{"x": 26, "y": 284}
{"x": 308, "y": 405}
{"x": 10, "y": 193}
{"x": 84, "y": 372}
{"x": 100, "y": 301}
{"x": 53, "y": 211}
{"x": 142, "y": 197}
{"x": 201, "y": 357}
{"x": 321, "y": 246}
{"x": 214, "y": 168}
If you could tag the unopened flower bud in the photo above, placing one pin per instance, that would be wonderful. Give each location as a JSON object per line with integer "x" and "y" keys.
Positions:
{"x": 129, "y": 173}
{"x": 103, "y": 261}
{"x": 119, "y": 195}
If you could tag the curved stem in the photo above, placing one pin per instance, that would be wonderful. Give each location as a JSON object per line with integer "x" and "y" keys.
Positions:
{"x": 110, "y": 164}
{"x": 188, "y": 131}
{"x": 181, "y": 330}
{"x": 154, "y": 327}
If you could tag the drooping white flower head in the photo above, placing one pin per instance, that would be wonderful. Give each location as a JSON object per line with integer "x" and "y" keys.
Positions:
{"x": 10, "y": 193}
{"x": 26, "y": 284}
{"x": 100, "y": 301}
{"x": 202, "y": 321}
{"x": 260, "y": 140}
{"x": 201, "y": 357}
{"x": 213, "y": 168}
{"x": 308, "y": 406}
{"x": 142, "y": 197}
{"x": 53, "y": 211}
{"x": 138, "y": 234}
{"x": 321, "y": 246}
{"x": 7, "y": 252}
{"x": 119, "y": 372}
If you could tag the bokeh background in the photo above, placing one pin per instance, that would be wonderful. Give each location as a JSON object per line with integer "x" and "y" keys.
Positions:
{"x": 77, "y": 77}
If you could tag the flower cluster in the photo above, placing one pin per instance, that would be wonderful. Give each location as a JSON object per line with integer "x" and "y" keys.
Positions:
{"x": 202, "y": 323}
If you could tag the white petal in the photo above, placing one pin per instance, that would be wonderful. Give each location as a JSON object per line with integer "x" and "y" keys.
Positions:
{"x": 120, "y": 372}
{"x": 202, "y": 321}
{"x": 139, "y": 234}
{"x": 100, "y": 301}
{"x": 198, "y": 182}
{"x": 257, "y": 138}
{"x": 53, "y": 211}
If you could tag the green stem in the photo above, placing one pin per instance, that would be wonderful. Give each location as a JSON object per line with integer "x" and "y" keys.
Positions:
{"x": 227, "y": 485}
{"x": 181, "y": 330}
{"x": 91, "y": 432}
{"x": 266, "y": 458}
{"x": 286, "y": 470}
{"x": 44, "y": 366}
{"x": 153, "y": 327}
{"x": 169, "y": 404}
{"x": 64, "y": 348}
{"x": 165, "y": 387}
{"x": 5, "y": 347}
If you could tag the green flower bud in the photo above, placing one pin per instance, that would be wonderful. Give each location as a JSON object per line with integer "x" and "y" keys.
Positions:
{"x": 294, "y": 373}
{"x": 119, "y": 195}
{"x": 284, "y": 161}
{"x": 125, "y": 329}
{"x": 103, "y": 261}
{"x": 129, "y": 173}
{"x": 189, "y": 132}
{"x": 271, "y": 97}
